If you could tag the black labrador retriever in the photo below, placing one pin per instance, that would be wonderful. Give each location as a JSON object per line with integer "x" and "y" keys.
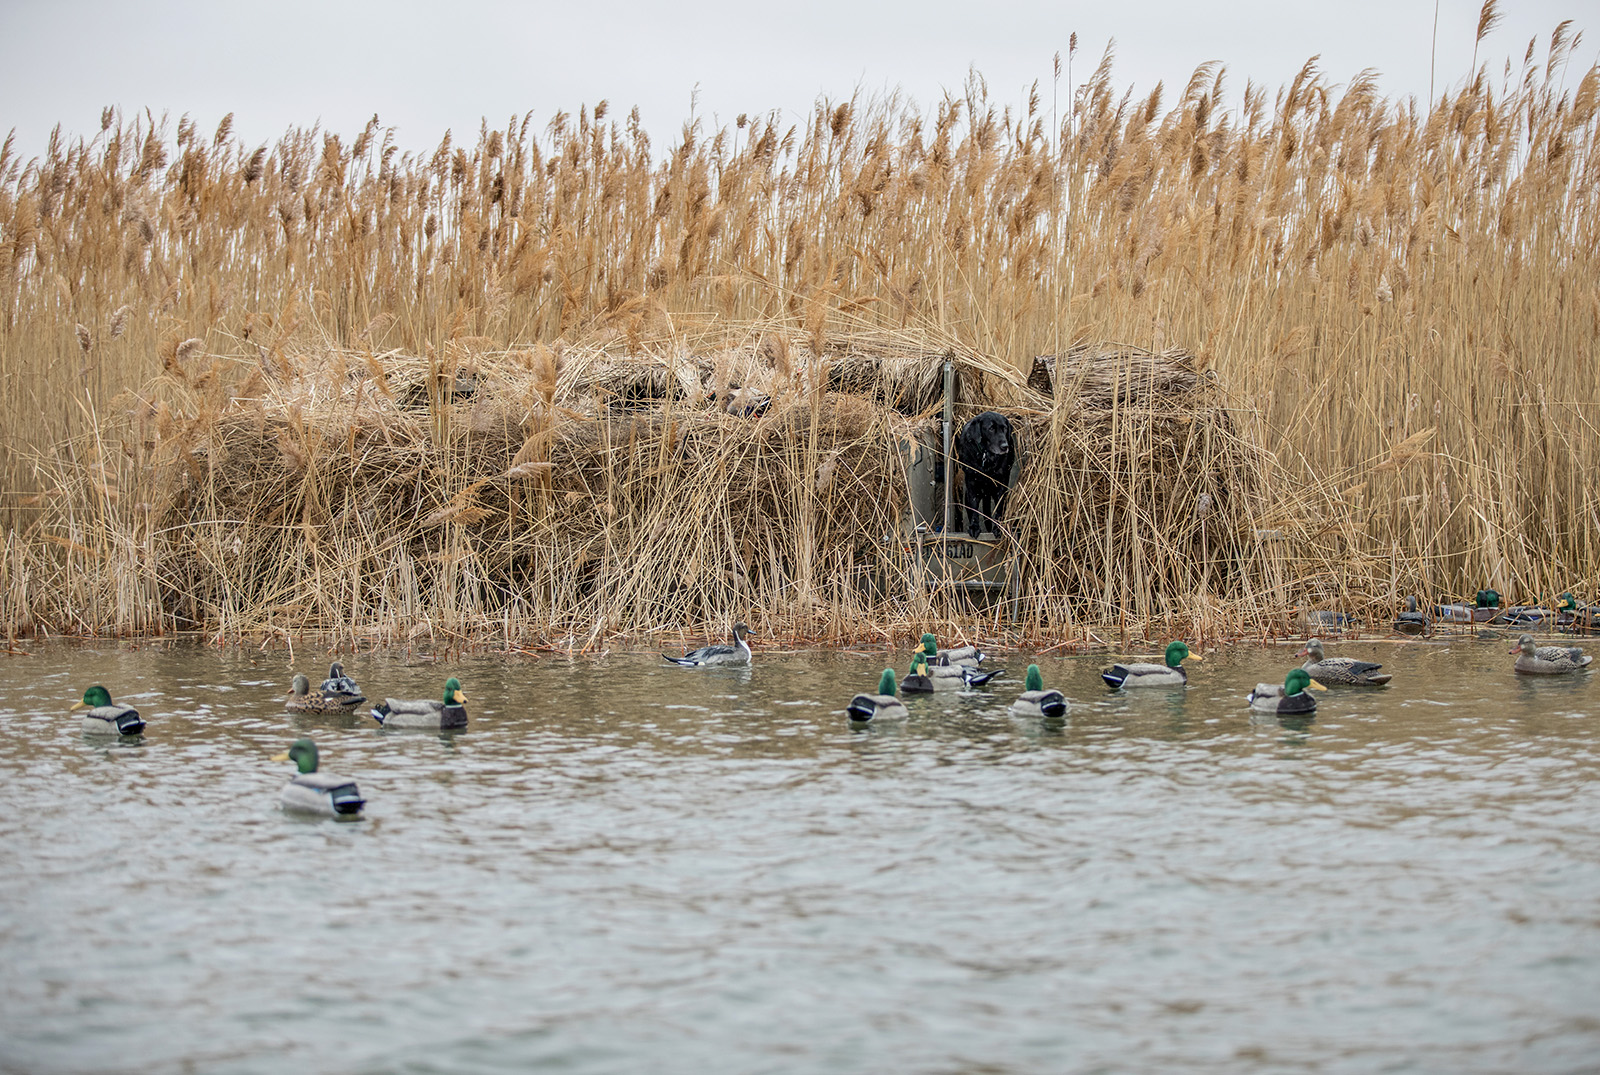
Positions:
{"x": 986, "y": 449}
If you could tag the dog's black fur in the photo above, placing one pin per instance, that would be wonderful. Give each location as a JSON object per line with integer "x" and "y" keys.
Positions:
{"x": 986, "y": 448}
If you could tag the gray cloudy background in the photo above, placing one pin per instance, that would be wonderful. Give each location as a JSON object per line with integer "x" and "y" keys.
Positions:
{"x": 425, "y": 67}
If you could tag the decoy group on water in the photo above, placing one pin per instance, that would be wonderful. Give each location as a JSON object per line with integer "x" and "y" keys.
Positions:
{"x": 932, "y": 670}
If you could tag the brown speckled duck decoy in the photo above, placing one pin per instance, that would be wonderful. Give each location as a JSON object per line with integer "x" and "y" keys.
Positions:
{"x": 1340, "y": 671}
{"x": 1535, "y": 660}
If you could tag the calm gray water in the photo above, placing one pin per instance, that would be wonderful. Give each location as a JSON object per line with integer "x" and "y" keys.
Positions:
{"x": 623, "y": 866}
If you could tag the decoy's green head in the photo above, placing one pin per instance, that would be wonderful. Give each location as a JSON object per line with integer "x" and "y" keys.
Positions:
{"x": 452, "y": 692}
{"x": 886, "y": 685}
{"x": 1296, "y": 681}
{"x": 919, "y": 664}
{"x": 930, "y": 645}
{"x": 1035, "y": 681}
{"x": 1177, "y": 653}
{"x": 303, "y": 753}
{"x": 94, "y": 698}
{"x": 1567, "y": 602}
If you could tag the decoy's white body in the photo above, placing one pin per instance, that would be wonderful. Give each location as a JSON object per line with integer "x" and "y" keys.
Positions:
{"x": 113, "y": 720}
{"x": 321, "y": 793}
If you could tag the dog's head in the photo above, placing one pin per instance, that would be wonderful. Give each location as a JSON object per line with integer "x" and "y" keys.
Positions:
{"x": 990, "y": 433}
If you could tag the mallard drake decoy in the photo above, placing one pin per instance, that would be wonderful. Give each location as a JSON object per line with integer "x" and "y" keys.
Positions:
{"x": 1412, "y": 621}
{"x": 1170, "y": 674}
{"x": 738, "y": 653}
{"x": 927, "y": 677}
{"x": 970, "y": 656}
{"x": 1292, "y": 699}
{"x": 1548, "y": 660}
{"x": 1564, "y": 613}
{"x": 425, "y": 712}
{"x": 302, "y": 699}
{"x": 1571, "y": 614}
{"x": 917, "y": 680}
{"x": 1035, "y": 701}
{"x": 1485, "y": 607}
{"x": 106, "y": 718}
{"x": 313, "y": 792}
{"x": 1340, "y": 671}
{"x": 877, "y": 708}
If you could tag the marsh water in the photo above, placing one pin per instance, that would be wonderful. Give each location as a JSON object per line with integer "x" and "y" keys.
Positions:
{"x": 623, "y": 866}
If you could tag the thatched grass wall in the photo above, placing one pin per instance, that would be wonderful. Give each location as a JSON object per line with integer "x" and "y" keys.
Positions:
{"x": 572, "y": 494}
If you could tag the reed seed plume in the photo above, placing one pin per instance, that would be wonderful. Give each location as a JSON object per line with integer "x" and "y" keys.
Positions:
{"x": 562, "y": 383}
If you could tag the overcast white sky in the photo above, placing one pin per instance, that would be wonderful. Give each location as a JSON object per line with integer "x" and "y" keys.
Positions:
{"x": 424, "y": 67}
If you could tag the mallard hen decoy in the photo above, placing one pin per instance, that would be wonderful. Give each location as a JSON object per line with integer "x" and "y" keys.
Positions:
{"x": 877, "y": 708}
{"x": 313, "y": 792}
{"x": 105, "y": 717}
{"x": 1292, "y": 699}
{"x": 1035, "y": 701}
{"x": 1548, "y": 660}
{"x": 303, "y": 699}
{"x": 738, "y": 653}
{"x": 425, "y": 712}
{"x": 1340, "y": 671}
{"x": 1170, "y": 674}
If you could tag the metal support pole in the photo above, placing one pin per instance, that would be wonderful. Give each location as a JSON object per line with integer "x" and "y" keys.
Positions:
{"x": 949, "y": 466}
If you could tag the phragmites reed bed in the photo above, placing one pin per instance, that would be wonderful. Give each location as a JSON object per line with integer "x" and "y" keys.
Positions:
{"x": 1387, "y": 313}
